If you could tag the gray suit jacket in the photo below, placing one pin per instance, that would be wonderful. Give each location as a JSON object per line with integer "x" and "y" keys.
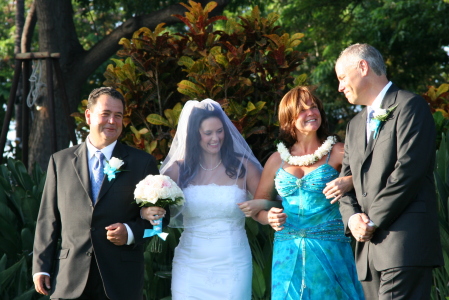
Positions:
{"x": 394, "y": 185}
{"x": 69, "y": 228}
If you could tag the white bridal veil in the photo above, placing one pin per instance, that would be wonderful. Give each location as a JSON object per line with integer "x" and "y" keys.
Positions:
{"x": 239, "y": 165}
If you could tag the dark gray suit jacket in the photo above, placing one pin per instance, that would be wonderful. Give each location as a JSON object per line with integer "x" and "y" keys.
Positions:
{"x": 394, "y": 185}
{"x": 69, "y": 228}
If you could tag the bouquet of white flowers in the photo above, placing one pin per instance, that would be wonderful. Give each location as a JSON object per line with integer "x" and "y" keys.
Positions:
{"x": 158, "y": 190}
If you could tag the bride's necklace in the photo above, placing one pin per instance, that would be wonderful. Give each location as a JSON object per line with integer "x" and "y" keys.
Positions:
{"x": 212, "y": 168}
{"x": 308, "y": 159}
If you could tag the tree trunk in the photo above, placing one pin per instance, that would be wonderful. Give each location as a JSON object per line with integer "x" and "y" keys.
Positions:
{"x": 20, "y": 21}
{"x": 57, "y": 34}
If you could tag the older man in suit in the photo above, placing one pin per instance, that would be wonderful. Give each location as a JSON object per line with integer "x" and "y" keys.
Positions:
{"x": 390, "y": 152}
{"x": 89, "y": 233}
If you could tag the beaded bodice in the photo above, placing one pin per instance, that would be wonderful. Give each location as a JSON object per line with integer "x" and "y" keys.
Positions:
{"x": 309, "y": 213}
{"x": 315, "y": 181}
{"x": 304, "y": 196}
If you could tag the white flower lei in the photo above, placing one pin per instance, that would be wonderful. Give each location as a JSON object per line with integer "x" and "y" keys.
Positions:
{"x": 308, "y": 159}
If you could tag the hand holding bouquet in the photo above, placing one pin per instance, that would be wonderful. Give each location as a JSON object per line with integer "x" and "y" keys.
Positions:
{"x": 157, "y": 190}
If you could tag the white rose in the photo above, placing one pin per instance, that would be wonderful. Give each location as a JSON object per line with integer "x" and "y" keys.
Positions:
{"x": 116, "y": 163}
{"x": 379, "y": 112}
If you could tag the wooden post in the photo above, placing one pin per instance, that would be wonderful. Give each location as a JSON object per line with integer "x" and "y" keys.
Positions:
{"x": 25, "y": 111}
{"x": 51, "y": 61}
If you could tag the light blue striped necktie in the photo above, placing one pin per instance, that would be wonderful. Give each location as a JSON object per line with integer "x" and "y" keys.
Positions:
{"x": 368, "y": 124}
{"x": 98, "y": 174}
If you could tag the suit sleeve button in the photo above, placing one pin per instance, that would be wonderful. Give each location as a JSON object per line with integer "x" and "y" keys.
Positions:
{"x": 364, "y": 194}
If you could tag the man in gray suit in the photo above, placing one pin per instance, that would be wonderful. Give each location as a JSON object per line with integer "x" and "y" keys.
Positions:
{"x": 392, "y": 211}
{"x": 89, "y": 235}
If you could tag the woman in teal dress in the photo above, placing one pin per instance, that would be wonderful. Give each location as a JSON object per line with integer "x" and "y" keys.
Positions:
{"x": 312, "y": 258}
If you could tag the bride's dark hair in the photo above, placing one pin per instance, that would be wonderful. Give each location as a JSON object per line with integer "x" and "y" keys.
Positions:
{"x": 231, "y": 160}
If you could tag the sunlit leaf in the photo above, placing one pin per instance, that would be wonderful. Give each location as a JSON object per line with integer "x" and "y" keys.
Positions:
{"x": 190, "y": 87}
{"x": 156, "y": 119}
{"x": 443, "y": 88}
{"x": 125, "y": 42}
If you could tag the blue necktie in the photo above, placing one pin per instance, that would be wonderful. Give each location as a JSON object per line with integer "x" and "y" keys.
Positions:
{"x": 370, "y": 132}
{"x": 98, "y": 174}
{"x": 368, "y": 124}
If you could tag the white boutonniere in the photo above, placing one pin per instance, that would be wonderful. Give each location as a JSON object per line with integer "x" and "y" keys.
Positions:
{"x": 112, "y": 167}
{"x": 380, "y": 116}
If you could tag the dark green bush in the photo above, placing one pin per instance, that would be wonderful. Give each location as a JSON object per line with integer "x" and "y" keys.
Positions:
{"x": 20, "y": 196}
{"x": 440, "y": 289}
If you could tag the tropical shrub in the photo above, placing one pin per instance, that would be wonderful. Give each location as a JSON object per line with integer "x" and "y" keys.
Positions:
{"x": 246, "y": 67}
{"x": 440, "y": 289}
{"x": 20, "y": 196}
{"x": 438, "y": 99}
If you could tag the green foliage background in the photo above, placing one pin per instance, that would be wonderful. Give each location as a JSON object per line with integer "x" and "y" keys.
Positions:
{"x": 409, "y": 33}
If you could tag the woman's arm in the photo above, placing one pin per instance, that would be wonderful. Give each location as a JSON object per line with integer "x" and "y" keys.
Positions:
{"x": 337, "y": 188}
{"x": 271, "y": 212}
{"x": 252, "y": 207}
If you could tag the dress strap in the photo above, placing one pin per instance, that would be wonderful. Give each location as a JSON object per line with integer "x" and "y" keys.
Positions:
{"x": 282, "y": 164}
{"x": 328, "y": 155}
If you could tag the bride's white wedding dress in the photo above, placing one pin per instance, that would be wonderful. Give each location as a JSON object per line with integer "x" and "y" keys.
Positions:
{"x": 213, "y": 258}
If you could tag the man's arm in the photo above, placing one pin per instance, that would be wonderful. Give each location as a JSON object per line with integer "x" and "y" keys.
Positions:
{"x": 348, "y": 202}
{"x": 47, "y": 232}
{"x": 415, "y": 158}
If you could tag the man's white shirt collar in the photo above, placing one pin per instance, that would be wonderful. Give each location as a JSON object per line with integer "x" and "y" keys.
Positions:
{"x": 378, "y": 101}
{"x": 107, "y": 151}
{"x": 375, "y": 105}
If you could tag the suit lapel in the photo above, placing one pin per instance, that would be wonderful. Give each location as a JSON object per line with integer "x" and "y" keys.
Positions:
{"x": 81, "y": 165}
{"x": 369, "y": 146}
{"x": 388, "y": 101}
{"x": 361, "y": 136}
{"x": 121, "y": 153}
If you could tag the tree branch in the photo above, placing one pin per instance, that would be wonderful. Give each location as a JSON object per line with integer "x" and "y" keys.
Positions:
{"x": 28, "y": 29}
{"x": 108, "y": 46}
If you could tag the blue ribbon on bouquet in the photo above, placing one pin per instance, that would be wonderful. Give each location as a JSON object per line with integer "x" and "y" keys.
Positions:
{"x": 157, "y": 230}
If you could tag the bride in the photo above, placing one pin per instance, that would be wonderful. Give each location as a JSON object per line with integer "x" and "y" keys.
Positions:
{"x": 217, "y": 171}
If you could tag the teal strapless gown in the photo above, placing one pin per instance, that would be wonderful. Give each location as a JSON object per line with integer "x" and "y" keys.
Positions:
{"x": 312, "y": 258}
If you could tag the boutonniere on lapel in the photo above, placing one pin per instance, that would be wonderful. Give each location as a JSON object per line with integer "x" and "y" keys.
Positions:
{"x": 380, "y": 116}
{"x": 112, "y": 167}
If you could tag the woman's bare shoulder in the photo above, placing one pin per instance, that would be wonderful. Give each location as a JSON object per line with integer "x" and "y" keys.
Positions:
{"x": 274, "y": 161}
{"x": 173, "y": 170}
